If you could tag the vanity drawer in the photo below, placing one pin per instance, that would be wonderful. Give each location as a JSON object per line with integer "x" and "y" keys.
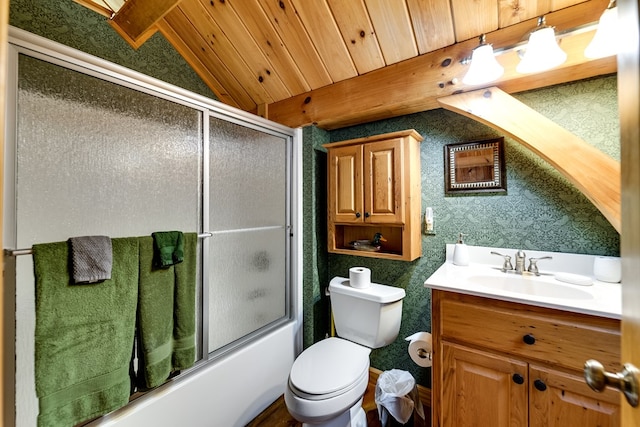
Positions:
{"x": 546, "y": 335}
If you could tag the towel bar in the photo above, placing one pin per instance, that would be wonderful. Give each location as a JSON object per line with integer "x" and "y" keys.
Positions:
{"x": 29, "y": 251}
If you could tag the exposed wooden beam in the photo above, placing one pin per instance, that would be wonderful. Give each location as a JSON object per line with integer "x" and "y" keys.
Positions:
{"x": 136, "y": 19}
{"x": 95, "y": 7}
{"x": 414, "y": 85}
{"x": 262, "y": 110}
{"x": 594, "y": 173}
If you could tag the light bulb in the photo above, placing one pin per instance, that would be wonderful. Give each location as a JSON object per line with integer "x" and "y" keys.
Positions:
{"x": 484, "y": 67}
{"x": 605, "y": 42}
{"x": 542, "y": 52}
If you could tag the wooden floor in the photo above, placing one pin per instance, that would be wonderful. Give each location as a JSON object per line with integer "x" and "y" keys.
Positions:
{"x": 277, "y": 415}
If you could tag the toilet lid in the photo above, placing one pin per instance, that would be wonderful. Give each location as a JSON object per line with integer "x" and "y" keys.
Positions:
{"x": 328, "y": 366}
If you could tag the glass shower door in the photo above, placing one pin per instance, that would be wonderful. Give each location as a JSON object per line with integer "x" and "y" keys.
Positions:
{"x": 92, "y": 157}
{"x": 248, "y": 219}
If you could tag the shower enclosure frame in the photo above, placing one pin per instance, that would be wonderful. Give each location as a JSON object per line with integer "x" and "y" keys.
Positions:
{"x": 288, "y": 328}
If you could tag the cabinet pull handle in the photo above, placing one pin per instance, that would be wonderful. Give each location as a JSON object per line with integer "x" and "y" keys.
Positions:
{"x": 540, "y": 385}
{"x": 529, "y": 339}
{"x": 357, "y": 214}
{"x": 367, "y": 214}
{"x": 518, "y": 379}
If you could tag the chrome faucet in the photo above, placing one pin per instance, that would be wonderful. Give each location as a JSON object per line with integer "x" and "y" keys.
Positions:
{"x": 506, "y": 265}
{"x": 533, "y": 266}
{"x": 520, "y": 262}
{"x": 520, "y": 259}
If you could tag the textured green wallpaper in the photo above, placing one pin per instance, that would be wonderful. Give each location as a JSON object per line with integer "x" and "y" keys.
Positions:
{"x": 66, "y": 22}
{"x": 316, "y": 313}
{"x": 541, "y": 210}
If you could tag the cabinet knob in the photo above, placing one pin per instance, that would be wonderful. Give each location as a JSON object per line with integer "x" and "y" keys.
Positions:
{"x": 518, "y": 379}
{"x": 529, "y": 339}
{"x": 367, "y": 214}
{"x": 358, "y": 215}
{"x": 626, "y": 381}
{"x": 539, "y": 385}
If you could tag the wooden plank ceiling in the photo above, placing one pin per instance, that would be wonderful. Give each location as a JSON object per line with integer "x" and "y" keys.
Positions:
{"x": 335, "y": 63}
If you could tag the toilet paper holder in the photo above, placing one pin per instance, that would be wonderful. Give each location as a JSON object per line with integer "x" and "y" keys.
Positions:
{"x": 420, "y": 349}
{"x": 423, "y": 354}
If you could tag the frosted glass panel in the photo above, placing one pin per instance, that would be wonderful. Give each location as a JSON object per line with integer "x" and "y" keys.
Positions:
{"x": 248, "y": 173}
{"x": 247, "y": 215}
{"x": 94, "y": 157}
{"x": 247, "y": 284}
{"x": 98, "y": 158}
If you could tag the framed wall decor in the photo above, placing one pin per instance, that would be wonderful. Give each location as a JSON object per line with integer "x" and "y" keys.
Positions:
{"x": 475, "y": 167}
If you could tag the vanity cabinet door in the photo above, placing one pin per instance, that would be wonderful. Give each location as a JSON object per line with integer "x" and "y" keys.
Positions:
{"x": 345, "y": 184}
{"x": 383, "y": 190}
{"x": 482, "y": 389}
{"x": 562, "y": 399}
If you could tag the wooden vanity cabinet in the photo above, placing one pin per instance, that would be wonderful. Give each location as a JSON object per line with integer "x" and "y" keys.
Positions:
{"x": 374, "y": 187}
{"x": 498, "y": 363}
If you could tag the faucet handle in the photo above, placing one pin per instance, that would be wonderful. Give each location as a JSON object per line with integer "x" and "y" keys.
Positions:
{"x": 507, "y": 261}
{"x": 533, "y": 266}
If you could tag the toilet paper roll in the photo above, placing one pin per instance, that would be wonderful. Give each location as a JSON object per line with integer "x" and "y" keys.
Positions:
{"x": 359, "y": 277}
{"x": 420, "y": 348}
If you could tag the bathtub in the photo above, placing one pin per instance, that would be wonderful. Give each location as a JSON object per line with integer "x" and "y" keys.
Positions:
{"x": 229, "y": 392}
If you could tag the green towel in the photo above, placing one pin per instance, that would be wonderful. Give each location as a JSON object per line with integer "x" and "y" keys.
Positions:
{"x": 84, "y": 335}
{"x": 184, "y": 328}
{"x": 155, "y": 318}
{"x": 169, "y": 248}
{"x": 166, "y": 313}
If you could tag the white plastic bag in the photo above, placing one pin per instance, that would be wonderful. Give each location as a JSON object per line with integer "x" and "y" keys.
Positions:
{"x": 397, "y": 394}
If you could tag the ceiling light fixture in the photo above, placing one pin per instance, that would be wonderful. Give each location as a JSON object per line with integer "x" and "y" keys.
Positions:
{"x": 484, "y": 66}
{"x": 542, "y": 51}
{"x": 605, "y": 41}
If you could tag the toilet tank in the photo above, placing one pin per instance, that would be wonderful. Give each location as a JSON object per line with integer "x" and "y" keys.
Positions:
{"x": 369, "y": 316}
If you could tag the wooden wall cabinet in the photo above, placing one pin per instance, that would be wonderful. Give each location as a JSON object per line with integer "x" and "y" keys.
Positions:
{"x": 374, "y": 187}
{"x": 498, "y": 363}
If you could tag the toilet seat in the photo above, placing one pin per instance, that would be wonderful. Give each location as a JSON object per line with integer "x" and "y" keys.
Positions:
{"x": 329, "y": 368}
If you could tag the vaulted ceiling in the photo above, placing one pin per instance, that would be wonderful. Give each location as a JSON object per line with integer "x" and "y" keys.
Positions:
{"x": 335, "y": 63}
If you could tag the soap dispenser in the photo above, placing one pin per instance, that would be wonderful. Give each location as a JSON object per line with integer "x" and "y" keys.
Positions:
{"x": 460, "y": 252}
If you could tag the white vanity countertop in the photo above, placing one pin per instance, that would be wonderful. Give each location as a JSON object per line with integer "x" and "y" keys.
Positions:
{"x": 483, "y": 277}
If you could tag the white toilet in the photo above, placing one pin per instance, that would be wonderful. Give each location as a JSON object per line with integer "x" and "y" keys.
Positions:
{"x": 328, "y": 380}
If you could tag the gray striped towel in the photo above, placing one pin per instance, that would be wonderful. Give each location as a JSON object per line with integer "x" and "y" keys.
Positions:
{"x": 91, "y": 258}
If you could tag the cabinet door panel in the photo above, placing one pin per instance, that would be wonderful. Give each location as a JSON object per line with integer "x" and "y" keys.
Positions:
{"x": 479, "y": 389}
{"x": 345, "y": 184}
{"x": 563, "y": 399}
{"x": 383, "y": 169}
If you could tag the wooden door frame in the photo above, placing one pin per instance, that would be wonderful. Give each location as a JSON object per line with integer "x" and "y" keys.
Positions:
{"x": 4, "y": 30}
{"x": 629, "y": 110}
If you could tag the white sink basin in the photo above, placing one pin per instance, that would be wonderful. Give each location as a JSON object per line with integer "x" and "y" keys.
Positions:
{"x": 483, "y": 277}
{"x": 530, "y": 285}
